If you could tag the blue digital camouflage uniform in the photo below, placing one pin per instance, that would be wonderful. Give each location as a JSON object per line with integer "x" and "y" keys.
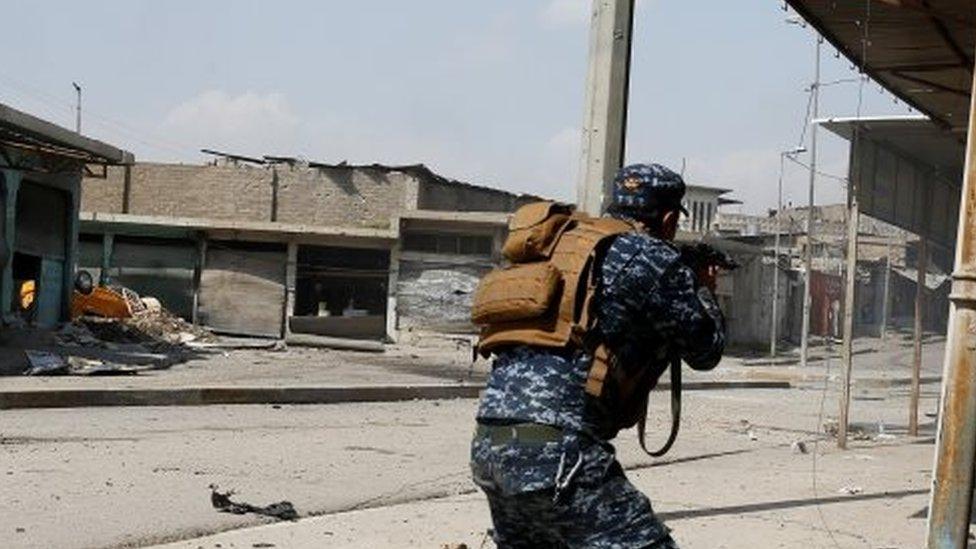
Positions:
{"x": 571, "y": 491}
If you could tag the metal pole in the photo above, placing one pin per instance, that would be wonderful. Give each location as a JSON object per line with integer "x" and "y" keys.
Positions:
{"x": 847, "y": 351}
{"x": 808, "y": 257}
{"x": 922, "y": 266}
{"x": 77, "y": 107}
{"x": 887, "y": 294}
{"x": 607, "y": 89}
{"x": 779, "y": 221}
{"x": 952, "y": 478}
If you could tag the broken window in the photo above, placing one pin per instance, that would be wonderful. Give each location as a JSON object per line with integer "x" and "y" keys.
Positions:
{"x": 341, "y": 292}
{"x": 446, "y": 243}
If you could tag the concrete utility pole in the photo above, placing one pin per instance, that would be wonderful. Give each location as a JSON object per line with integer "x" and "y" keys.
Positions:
{"x": 887, "y": 294}
{"x": 922, "y": 265}
{"x": 952, "y": 479}
{"x": 779, "y": 214}
{"x": 77, "y": 107}
{"x": 607, "y": 90}
{"x": 847, "y": 351}
{"x": 808, "y": 256}
{"x": 773, "y": 335}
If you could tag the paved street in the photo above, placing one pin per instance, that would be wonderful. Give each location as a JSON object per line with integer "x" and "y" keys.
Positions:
{"x": 395, "y": 474}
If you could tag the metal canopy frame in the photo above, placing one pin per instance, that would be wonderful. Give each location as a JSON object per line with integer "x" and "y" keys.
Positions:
{"x": 920, "y": 50}
{"x": 20, "y": 130}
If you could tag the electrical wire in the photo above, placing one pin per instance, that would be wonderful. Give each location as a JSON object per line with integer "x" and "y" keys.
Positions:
{"x": 839, "y": 178}
{"x": 56, "y": 107}
{"x": 865, "y": 38}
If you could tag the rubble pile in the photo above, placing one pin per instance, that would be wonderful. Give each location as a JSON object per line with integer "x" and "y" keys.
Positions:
{"x": 152, "y": 327}
{"x": 162, "y": 325}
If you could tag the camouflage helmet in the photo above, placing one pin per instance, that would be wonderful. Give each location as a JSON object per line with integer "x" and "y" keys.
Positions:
{"x": 646, "y": 190}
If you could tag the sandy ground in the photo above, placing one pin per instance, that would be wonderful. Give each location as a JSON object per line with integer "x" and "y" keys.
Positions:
{"x": 395, "y": 475}
{"x": 449, "y": 361}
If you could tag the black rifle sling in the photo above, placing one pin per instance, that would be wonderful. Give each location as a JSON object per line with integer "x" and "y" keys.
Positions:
{"x": 675, "y": 413}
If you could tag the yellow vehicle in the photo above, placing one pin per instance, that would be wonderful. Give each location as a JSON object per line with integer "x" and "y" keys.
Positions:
{"x": 97, "y": 300}
{"x": 28, "y": 294}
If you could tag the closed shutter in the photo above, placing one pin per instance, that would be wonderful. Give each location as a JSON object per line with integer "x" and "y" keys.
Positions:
{"x": 242, "y": 289}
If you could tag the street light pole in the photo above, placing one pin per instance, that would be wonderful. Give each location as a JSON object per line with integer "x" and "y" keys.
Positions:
{"x": 808, "y": 253}
{"x": 77, "y": 107}
{"x": 773, "y": 336}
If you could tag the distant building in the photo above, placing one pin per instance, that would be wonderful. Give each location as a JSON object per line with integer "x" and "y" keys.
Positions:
{"x": 272, "y": 246}
{"x": 703, "y": 205}
{"x": 269, "y": 246}
{"x": 880, "y": 245}
{"x": 41, "y": 168}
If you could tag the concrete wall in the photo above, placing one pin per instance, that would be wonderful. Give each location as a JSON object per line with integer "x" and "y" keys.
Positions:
{"x": 463, "y": 198}
{"x": 354, "y": 197}
{"x": 359, "y": 197}
{"x": 178, "y": 190}
{"x": 104, "y": 194}
{"x": 750, "y": 306}
{"x": 216, "y": 192}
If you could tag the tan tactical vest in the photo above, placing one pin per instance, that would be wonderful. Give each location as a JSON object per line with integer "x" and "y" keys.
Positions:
{"x": 543, "y": 298}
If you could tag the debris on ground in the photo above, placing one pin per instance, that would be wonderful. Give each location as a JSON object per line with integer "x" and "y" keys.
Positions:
{"x": 799, "y": 447}
{"x": 854, "y": 432}
{"x": 43, "y": 363}
{"x": 151, "y": 326}
{"x": 80, "y": 366}
{"x": 850, "y": 489}
{"x": 282, "y": 510}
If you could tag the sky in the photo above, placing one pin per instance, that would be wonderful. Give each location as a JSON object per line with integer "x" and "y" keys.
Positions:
{"x": 489, "y": 92}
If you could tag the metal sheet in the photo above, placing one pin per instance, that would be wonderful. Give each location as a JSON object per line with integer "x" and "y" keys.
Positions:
{"x": 920, "y": 51}
{"x": 159, "y": 268}
{"x": 49, "y": 299}
{"x": 910, "y": 173}
{"x": 242, "y": 289}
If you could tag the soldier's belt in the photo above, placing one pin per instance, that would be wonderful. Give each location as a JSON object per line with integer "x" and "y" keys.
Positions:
{"x": 522, "y": 432}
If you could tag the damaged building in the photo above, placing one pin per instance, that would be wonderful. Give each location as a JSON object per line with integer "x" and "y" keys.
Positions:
{"x": 41, "y": 171}
{"x": 271, "y": 246}
{"x": 275, "y": 246}
{"x": 886, "y": 271}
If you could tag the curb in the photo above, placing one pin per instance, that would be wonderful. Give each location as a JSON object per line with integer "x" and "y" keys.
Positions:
{"x": 202, "y": 396}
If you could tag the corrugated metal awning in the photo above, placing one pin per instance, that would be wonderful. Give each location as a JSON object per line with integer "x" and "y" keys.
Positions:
{"x": 920, "y": 50}
{"x": 22, "y": 130}
{"x": 916, "y": 137}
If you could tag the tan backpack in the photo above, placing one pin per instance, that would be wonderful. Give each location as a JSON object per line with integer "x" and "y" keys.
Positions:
{"x": 543, "y": 298}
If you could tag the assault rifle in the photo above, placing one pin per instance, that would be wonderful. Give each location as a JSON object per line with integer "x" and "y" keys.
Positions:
{"x": 701, "y": 255}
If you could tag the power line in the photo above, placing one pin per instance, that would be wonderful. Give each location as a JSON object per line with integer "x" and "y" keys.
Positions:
{"x": 843, "y": 180}
{"x": 106, "y": 122}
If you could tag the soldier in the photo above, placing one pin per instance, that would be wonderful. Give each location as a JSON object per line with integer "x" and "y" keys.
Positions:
{"x": 541, "y": 452}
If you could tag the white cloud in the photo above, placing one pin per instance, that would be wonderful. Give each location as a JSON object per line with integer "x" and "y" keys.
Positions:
{"x": 565, "y": 13}
{"x": 249, "y": 123}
